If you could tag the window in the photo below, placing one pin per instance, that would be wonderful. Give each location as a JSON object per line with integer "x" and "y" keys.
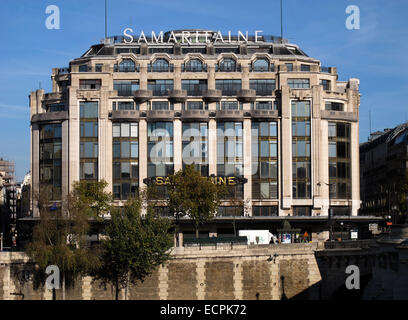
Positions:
{"x": 228, "y": 87}
{"x": 125, "y": 162}
{"x": 98, "y": 67}
{"x": 83, "y": 68}
{"x": 229, "y": 105}
{"x": 231, "y": 211}
{"x": 202, "y": 50}
{"x": 195, "y": 105}
{"x": 161, "y": 105}
{"x": 227, "y": 65}
{"x": 88, "y": 140}
{"x": 334, "y": 106}
{"x": 264, "y": 211}
{"x": 50, "y": 156}
{"x": 302, "y": 211}
{"x": 301, "y": 161}
{"x": 227, "y": 49}
{"x": 325, "y": 84}
{"x": 266, "y": 105}
{"x": 339, "y": 160}
{"x": 89, "y": 84}
{"x": 230, "y": 154}
{"x": 161, "y": 50}
{"x": 289, "y": 67}
{"x": 126, "y": 87}
{"x": 261, "y": 65}
{"x": 160, "y": 87}
{"x": 124, "y": 105}
{"x": 160, "y": 65}
{"x": 263, "y": 87}
{"x": 194, "y": 87}
{"x": 55, "y": 107}
{"x": 127, "y": 65}
{"x": 195, "y": 146}
{"x": 264, "y": 160}
{"x": 299, "y": 83}
{"x": 194, "y": 65}
{"x": 305, "y": 67}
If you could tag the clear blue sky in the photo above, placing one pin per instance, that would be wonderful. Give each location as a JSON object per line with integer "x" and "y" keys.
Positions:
{"x": 377, "y": 53}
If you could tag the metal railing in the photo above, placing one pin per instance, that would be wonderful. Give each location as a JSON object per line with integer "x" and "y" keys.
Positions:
{"x": 189, "y": 242}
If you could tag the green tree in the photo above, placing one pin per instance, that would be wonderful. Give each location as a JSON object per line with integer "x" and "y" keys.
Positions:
{"x": 60, "y": 238}
{"x": 134, "y": 246}
{"x": 194, "y": 196}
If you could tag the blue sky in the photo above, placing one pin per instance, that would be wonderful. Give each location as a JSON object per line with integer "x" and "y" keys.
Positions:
{"x": 376, "y": 53}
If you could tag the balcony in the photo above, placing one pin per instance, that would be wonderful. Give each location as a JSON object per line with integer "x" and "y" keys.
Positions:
{"x": 141, "y": 95}
{"x": 195, "y": 115}
{"x": 117, "y": 115}
{"x": 50, "y": 116}
{"x": 230, "y": 114}
{"x": 163, "y": 115}
{"x": 246, "y": 95}
{"x": 212, "y": 95}
{"x": 339, "y": 115}
{"x": 265, "y": 114}
{"x": 177, "y": 96}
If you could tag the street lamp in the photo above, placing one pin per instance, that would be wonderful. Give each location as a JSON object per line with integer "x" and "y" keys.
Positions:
{"x": 330, "y": 214}
{"x": 341, "y": 224}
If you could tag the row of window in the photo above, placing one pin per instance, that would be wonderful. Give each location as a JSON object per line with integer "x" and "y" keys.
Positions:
{"x": 196, "y": 65}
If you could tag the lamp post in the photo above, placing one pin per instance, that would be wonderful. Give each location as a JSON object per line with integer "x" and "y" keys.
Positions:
{"x": 341, "y": 224}
{"x": 330, "y": 213}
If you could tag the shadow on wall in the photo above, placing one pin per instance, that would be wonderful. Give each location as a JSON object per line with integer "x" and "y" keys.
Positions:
{"x": 333, "y": 283}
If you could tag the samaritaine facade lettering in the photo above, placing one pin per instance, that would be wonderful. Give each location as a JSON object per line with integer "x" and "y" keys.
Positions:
{"x": 190, "y": 37}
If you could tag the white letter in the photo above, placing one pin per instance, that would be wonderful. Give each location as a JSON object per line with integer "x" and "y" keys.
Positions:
{"x": 353, "y": 280}
{"x": 353, "y": 21}
{"x": 53, "y": 21}
{"x": 53, "y": 280}
{"x": 159, "y": 37}
{"x": 218, "y": 36}
{"x": 229, "y": 36}
{"x": 206, "y": 37}
{"x": 241, "y": 35}
{"x": 142, "y": 36}
{"x": 256, "y": 35}
{"x": 185, "y": 35}
{"x": 128, "y": 35}
{"x": 172, "y": 36}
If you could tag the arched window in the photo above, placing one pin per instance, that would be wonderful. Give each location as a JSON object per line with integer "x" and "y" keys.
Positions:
{"x": 160, "y": 65}
{"x": 260, "y": 65}
{"x": 228, "y": 65}
{"x": 127, "y": 66}
{"x": 194, "y": 65}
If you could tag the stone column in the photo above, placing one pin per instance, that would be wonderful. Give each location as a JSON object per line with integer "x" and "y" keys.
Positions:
{"x": 238, "y": 287}
{"x": 65, "y": 159}
{"x": 324, "y": 168}
{"x": 177, "y": 142}
{"x": 247, "y": 149}
{"x": 35, "y": 166}
{"x": 355, "y": 169}
{"x": 286, "y": 145}
{"x": 105, "y": 140}
{"x": 212, "y": 146}
{"x": 163, "y": 282}
{"x": 142, "y": 151}
{"x": 200, "y": 269}
{"x": 86, "y": 288}
{"x": 316, "y": 146}
{"x": 74, "y": 136}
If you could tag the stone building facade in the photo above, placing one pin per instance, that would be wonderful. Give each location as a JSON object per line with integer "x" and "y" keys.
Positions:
{"x": 254, "y": 108}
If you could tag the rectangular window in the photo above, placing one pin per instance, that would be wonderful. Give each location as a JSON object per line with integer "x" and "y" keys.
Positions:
{"x": 326, "y": 84}
{"x": 301, "y": 161}
{"x": 299, "y": 83}
{"x": 194, "y": 87}
{"x": 228, "y": 87}
{"x": 90, "y": 84}
{"x": 126, "y": 87}
{"x": 160, "y": 87}
{"x": 263, "y": 87}
{"x": 339, "y": 160}
{"x": 125, "y": 159}
{"x": 89, "y": 112}
{"x": 334, "y": 106}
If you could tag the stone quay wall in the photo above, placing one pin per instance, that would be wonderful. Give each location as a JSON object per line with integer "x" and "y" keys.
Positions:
{"x": 264, "y": 272}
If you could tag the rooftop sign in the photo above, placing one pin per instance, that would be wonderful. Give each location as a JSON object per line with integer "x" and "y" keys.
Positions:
{"x": 189, "y": 37}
